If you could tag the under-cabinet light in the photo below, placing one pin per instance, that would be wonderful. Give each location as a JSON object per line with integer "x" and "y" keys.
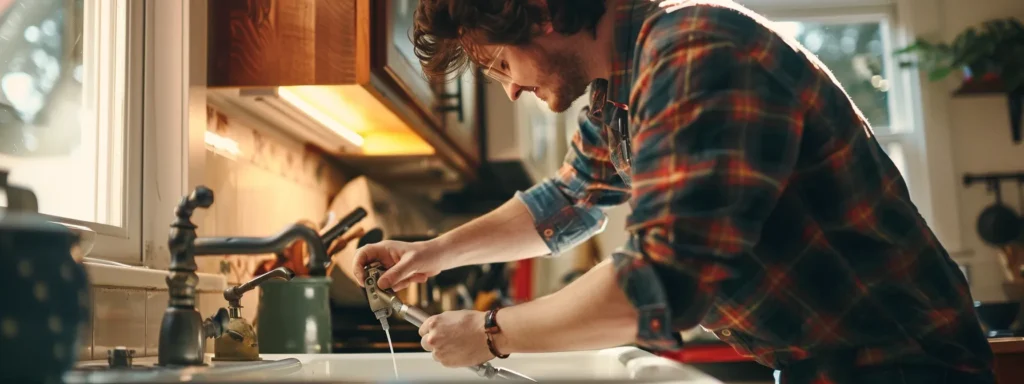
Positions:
{"x": 320, "y": 117}
{"x": 222, "y": 144}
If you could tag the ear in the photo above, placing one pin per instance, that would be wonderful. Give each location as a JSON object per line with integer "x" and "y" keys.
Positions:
{"x": 546, "y": 28}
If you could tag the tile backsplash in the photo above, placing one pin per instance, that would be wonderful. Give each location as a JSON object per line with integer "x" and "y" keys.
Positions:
{"x": 128, "y": 305}
{"x": 262, "y": 182}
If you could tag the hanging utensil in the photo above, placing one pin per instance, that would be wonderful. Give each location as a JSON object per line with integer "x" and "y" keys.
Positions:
{"x": 998, "y": 224}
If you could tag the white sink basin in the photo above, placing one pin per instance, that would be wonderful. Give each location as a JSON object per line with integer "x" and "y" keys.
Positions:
{"x": 144, "y": 371}
{"x": 624, "y": 364}
{"x": 612, "y": 365}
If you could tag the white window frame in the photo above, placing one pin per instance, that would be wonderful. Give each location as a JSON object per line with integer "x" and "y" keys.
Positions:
{"x": 175, "y": 117}
{"x": 164, "y": 62}
{"x": 119, "y": 41}
{"x": 923, "y": 135}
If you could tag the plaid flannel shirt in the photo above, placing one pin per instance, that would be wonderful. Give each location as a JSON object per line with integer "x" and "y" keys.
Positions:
{"x": 763, "y": 208}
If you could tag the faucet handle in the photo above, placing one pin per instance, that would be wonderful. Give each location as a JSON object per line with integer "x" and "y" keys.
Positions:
{"x": 234, "y": 294}
{"x": 215, "y": 325}
{"x": 201, "y": 197}
{"x": 343, "y": 226}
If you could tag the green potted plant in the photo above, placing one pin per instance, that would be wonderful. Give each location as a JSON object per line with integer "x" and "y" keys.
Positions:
{"x": 994, "y": 50}
{"x": 990, "y": 56}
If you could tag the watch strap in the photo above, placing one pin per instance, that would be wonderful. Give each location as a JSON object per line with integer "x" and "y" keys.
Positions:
{"x": 491, "y": 322}
{"x": 491, "y": 328}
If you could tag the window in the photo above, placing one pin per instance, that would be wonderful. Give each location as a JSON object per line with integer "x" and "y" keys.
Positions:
{"x": 70, "y": 114}
{"x": 856, "y": 49}
{"x": 855, "y": 39}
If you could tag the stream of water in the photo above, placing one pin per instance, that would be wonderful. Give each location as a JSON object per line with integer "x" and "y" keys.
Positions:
{"x": 394, "y": 362}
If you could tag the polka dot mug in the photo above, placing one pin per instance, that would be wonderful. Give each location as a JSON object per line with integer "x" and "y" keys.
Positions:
{"x": 45, "y": 301}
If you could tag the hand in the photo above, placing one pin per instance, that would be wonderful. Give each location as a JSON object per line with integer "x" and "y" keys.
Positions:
{"x": 406, "y": 263}
{"x": 456, "y": 338}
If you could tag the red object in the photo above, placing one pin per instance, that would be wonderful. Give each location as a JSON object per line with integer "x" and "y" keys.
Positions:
{"x": 522, "y": 281}
{"x": 714, "y": 353}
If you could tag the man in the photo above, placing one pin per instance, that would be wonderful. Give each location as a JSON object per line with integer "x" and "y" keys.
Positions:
{"x": 763, "y": 208}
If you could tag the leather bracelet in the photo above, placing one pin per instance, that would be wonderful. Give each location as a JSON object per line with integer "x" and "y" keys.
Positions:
{"x": 490, "y": 328}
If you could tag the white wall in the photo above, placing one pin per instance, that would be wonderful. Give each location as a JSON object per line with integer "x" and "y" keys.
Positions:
{"x": 248, "y": 187}
{"x": 980, "y": 130}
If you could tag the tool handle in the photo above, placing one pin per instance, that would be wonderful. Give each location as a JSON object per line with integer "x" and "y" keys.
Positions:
{"x": 413, "y": 315}
{"x": 343, "y": 226}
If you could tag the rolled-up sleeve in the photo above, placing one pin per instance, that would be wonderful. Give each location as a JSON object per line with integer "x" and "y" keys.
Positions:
{"x": 715, "y": 137}
{"x": 567, "y": 209}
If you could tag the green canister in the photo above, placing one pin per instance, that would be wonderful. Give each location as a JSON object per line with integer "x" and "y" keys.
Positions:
{"x": 295, "y": 316}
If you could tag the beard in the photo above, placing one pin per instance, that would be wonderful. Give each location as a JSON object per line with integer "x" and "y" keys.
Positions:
{"x": 566, "y": 81}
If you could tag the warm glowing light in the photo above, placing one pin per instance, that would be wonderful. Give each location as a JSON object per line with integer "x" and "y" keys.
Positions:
{"x": 320, "y": 116}
{"x": 222, "y": 144}
{"x": 383, "y": 132}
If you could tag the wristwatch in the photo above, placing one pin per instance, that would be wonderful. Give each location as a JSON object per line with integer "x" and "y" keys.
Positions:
{"x": 491, "y": 328}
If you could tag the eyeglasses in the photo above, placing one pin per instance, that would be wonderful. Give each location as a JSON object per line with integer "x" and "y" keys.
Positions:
{"x": 497, "y": 74}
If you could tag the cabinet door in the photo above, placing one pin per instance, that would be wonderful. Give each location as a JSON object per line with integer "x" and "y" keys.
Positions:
{"x": 461, "y": 103}
{"x": 401, "y": 62}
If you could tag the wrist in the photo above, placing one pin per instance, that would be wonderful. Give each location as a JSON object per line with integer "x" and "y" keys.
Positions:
{"x": 503, "y": 344}
{"x": 445, "y": 249}
{"x": 500, "y": 342}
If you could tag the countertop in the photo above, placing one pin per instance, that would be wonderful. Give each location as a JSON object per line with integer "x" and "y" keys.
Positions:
{"x": 613, "y": 365}
{"x": 1009, "y": 359}
{"x": 1002, "y": 345}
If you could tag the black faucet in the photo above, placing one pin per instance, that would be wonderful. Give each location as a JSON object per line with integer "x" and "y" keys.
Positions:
{"x": 183, "y": 333}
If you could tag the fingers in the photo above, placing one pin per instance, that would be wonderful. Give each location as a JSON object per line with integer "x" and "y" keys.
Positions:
{"x": 427, "y": 325}
{"x": 400, "y": 286}
{"x": 368, "y": 254}
{"x": 427, "y": 345}
{"x": 397, "y": 274}
{"x": 418, "y": 278}
{"x": 415, "y": 278}
{"x": 442, "y": 347}
{"x": 427, "y": 339}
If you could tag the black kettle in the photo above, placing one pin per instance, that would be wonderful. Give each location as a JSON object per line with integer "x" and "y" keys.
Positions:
{"x": 45, "y": 292}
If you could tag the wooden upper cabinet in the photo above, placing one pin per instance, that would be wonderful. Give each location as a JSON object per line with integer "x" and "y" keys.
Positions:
{"x": 361, "y": 50}
{"x": 255, "y": 43}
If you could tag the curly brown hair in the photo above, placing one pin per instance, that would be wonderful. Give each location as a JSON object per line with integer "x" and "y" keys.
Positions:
{"x": 447, "y": 32}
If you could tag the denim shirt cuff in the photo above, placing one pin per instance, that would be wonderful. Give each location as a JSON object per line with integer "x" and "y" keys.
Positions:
{"x": 643, "y": 288}
{"x": 562, "y": 224}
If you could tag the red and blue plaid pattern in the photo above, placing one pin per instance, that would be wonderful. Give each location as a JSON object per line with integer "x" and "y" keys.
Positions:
{"x": 763, "y": 208}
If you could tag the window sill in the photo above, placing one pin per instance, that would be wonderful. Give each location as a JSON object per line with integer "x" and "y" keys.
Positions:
{"x": 144, "y": 278}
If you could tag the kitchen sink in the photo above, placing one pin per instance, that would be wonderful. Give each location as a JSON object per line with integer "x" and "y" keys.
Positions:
{"x": 623, "y": 364}
{"x": 145, "y": 371}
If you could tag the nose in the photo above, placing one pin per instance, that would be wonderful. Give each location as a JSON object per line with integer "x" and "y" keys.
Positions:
{"x": 513, "y": 91}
